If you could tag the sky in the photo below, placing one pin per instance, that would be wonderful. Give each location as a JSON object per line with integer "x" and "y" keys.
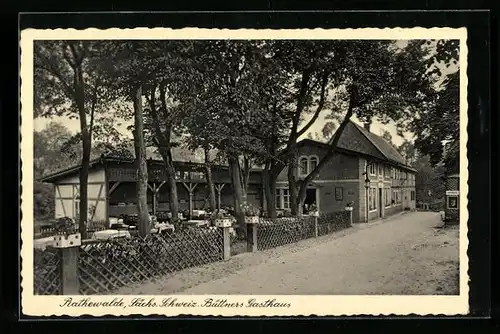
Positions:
{"x": 73, "y": 126}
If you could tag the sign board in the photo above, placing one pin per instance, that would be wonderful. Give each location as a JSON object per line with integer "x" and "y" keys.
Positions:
{"x": 452, "y": 192}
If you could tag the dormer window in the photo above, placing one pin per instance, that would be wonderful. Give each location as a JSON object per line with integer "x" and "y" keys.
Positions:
{"x": 307, "y": 164}
{"x": 303, "y": 165}
{"x": 313, "y": 163}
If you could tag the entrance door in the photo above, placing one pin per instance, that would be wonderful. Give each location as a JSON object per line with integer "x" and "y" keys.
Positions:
{"x": 380, "y": 202}
{"x": 310, "y": 200}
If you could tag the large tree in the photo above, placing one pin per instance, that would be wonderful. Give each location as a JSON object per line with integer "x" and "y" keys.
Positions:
{"x": 378, "y": 81}
{"x": 131, "y": 72}
{"x": 297, "y": 95}
{"x": 223, "y": 105}
{"x": 437, "y": 127}
{"x": 48, "y": 158}
{"x": 68, "y": 81}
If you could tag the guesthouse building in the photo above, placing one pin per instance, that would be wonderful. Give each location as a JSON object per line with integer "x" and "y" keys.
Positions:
{"x": 366, "y": 171}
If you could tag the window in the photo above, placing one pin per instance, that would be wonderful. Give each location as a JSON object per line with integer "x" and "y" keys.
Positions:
{"x": 339, "y": 193}
{"x": 307, "y": 164}
{"x": 372, "y": 199}
{"x": 412, "y": 195}
{"x": 277, "y": 201}
{"x": 381, "y": 170}
{"x": 452, "y": 202}
{"x": 303, "y": 162}
{"x": 373, "y": 169}
{"x": 387, "y": 197}
{"x": 286, "y": 199}
{"x": 313, "y": 162}
{"x": 393, "y": 172}
{"x": 282, "y": 199}
{"x": 387, "y": 172}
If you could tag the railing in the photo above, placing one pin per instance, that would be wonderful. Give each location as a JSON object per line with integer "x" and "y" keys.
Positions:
{"x": 44, "y": 231}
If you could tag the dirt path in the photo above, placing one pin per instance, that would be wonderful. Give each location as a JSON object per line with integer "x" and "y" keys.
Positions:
{"x": 404, "y": 255}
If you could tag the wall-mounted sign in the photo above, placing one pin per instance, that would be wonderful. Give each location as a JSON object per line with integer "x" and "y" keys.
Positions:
{"x": 452, "y": 192}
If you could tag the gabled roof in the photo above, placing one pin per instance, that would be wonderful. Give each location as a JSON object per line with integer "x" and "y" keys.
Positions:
{"x": 358, "y": 140}
{"x": 389, "y": 151}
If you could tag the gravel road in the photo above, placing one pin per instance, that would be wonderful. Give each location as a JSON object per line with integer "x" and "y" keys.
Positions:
{"x": 404, "y": 255}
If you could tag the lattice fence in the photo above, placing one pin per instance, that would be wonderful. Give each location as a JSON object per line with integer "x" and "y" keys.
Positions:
{"x": 282, "y": 231}
{"x": 332, "y": 222}
{"x": 106, "y": 266}
{"x": 47, "y": 273}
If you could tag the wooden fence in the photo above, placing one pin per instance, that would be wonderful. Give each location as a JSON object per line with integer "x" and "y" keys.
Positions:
{"x": 102, "y": 266}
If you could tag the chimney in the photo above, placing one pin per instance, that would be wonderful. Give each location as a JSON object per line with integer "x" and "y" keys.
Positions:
{"x": 367, "y": 125}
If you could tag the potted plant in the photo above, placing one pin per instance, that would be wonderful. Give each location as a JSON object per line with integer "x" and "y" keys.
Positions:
{"x": 313, "y": 210}
{"x": 251, "y": 213}
{"x": 349, "y": 206}
{"x": 221, "y": 220}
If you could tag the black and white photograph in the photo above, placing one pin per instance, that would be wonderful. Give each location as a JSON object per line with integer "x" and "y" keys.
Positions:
{"x": 162, "y": 169}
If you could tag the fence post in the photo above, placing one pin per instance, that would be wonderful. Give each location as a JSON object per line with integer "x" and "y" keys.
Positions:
{"x": 227, "y": 242}
{"x": 252, "y": 234}
{"x": 225, "y": 224}
{"x": 315, "y": 226}
{"x": 69, "y": 250}
{"x": 349, "y": 209}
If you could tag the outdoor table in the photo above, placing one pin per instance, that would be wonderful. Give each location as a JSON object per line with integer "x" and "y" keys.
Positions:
{"x": 111, "y": 234}
{"x": 198, "y": 222}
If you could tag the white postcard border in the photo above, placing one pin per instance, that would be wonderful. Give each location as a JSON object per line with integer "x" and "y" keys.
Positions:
{"x": 299, "y": 305}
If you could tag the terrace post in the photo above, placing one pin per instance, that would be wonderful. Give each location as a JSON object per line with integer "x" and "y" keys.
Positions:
{"x": 69, "y": 248}
{"x": 251, "y": 236}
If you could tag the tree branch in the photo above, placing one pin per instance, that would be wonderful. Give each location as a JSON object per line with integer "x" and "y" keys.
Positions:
{"x": 321, "y": 104}
{"x": 159, "y": 134}
{"x": 163, "y": 100}
{"x": 53, "y": 71}
{"x": 336, "y": 137}
{"x": 94, "y": 102}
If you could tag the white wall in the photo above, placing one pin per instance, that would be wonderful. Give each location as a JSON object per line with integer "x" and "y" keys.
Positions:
{"x": 67, "y": 191}
{"x": 96, "y": 175}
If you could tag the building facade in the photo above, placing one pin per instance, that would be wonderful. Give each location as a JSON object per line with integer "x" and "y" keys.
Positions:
{"x": 112, "y": 188}
{"x": 365, "y": 170}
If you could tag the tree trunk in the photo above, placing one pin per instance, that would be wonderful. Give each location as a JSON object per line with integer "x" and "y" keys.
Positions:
{"x": 237, "y": 194}
{"x": 331, "y": 150}
{"x": 84, "y": 175}
{"x": 269, "y": 183}
{"x": 210, "y": 181}
{"x": 243, "y": 178}
{"x": 163, "y": 144}
{"x": 142, "y": 169}
{"x": 292, "y": 184}
{"x": 172, "y": 186}
{"x": 86, "y": 146}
